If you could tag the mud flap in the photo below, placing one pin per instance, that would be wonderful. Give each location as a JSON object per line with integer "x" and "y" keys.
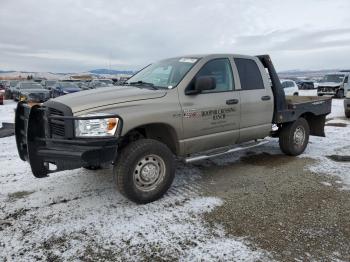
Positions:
{"x": 316, "y": 124}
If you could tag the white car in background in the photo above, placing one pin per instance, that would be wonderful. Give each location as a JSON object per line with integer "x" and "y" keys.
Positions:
{"x": 290, "y": 87}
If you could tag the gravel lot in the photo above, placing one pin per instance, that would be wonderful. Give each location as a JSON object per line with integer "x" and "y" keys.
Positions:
{"x": 257, "y": 205}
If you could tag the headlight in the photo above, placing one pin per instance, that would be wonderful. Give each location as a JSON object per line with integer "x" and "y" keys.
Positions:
{"x": 23, "y": 98}
{"x": 96, "y": 127}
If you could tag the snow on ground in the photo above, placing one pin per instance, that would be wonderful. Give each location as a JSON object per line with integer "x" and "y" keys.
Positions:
{"x": 78, "y": 214}
{"x": 336, "y": 143}
{"x": 7, "y": 113}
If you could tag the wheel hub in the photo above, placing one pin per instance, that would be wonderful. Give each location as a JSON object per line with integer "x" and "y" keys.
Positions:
{"x": 149, "y": 172}
{"x": 299, "y": 136}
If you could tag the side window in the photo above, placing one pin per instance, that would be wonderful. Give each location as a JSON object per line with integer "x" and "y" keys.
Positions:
{"x": 346, "y": 80}
{"x": 221, "y": 70}
{"x": 249, "y": 74}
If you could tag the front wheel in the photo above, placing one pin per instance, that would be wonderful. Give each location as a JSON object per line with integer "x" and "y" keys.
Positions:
{"x": 294, "y": 137}
{"x": 144, "y": 170}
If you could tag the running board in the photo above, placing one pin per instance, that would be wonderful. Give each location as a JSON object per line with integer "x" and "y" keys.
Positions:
{"x": 235, "y": 149}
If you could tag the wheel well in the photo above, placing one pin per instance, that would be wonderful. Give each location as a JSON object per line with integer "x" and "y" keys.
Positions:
{"x": 316, "y": 123}
{"x": 162, "y": 132}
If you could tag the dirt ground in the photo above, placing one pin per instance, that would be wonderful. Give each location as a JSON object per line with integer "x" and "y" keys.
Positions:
{"x": 275, "y": 202}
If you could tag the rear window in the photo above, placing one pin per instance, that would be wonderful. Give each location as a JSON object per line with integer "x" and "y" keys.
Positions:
{"x": 249, "y": 74}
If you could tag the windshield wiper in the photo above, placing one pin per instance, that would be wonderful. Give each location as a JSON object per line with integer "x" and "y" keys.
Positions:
{"x": 142, "y": 83}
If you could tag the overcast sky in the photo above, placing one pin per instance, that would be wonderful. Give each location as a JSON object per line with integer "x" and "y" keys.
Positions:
{"x": 79, "y": 35}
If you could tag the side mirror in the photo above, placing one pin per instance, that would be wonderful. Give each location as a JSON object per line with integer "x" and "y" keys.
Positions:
{"x": 201, "y": 84}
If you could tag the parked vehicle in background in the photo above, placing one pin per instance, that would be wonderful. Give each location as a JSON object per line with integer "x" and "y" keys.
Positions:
{"x": 98, "y": 83}
{"x": 193, "y": 107}
{"x": 347, "y": 105}
{"x": 305, "y": 84}
{"x": 290, "y": 87}
{"x": 11, "y": 85}
{"x": 48, "y": 84}
{"x": 63, "y": 88}
{"x": 334, "y": 84}
{"x": 2, "y": 93}
{"x": 30, "y": 92}
{"x": 122, "y": 80}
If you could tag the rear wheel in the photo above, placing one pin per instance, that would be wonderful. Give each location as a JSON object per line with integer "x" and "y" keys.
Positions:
{"x": 294, "y": 137}
{"x": 144, "y": 170}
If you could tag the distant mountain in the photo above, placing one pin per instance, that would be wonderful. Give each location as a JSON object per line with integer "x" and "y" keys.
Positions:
{"x": 6, "y": 71}
{"x": 312, "y": 74}
{"x": 111, "y": 72}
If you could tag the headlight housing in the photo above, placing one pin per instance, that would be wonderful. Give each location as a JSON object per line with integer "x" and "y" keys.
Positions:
{"x": 102, "y": 125}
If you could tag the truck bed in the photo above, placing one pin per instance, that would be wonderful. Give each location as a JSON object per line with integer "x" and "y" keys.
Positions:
{"x": 301, "y": 105}
{"x": 313, "y": 109}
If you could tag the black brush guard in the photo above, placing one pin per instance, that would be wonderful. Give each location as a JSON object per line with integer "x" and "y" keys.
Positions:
{"x": 36, "y": 145}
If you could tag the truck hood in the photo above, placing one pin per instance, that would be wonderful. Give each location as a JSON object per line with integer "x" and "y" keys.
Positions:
{"x": 95, "y": 98}
{"x": 330, "y": 84}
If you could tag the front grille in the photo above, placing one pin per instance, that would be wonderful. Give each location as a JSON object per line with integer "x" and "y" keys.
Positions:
{"x": 57, "y": 126}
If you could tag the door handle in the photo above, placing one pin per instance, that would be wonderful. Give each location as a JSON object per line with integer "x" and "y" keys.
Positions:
{"x": 232, "y": 102}
{"x": 265, "y": 98}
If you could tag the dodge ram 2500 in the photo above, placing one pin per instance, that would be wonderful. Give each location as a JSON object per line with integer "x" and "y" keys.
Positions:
{"x": 192, "y": 107}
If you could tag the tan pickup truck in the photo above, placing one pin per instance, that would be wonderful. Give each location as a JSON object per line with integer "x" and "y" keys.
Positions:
{"x": 192, "y": 107}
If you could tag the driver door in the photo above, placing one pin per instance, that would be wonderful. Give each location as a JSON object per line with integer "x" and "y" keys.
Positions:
{"x": 211, "y": 118}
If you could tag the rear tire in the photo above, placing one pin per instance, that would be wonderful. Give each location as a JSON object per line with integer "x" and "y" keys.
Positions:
{"x": 294, "y": 137}
{"x": 144, "y": 170}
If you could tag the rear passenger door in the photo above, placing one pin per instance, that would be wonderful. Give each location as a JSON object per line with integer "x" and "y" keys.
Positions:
{"x": 256, "y": 99}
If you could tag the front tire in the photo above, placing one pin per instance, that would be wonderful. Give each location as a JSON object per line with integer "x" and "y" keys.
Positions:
{"x": 294, "y": 137}
{"x": 144, "y": 170}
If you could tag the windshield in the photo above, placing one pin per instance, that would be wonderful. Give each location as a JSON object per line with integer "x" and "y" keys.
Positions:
{"x": 164, "y": 74}
{"x": 31, "y": 86}
{"x": 68, "y": 85}
{"x": 333, "y": 78}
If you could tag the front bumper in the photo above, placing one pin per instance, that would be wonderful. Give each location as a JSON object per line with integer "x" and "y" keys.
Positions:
{"x": 327, "y": 90}
{"x": 39, "y": 144}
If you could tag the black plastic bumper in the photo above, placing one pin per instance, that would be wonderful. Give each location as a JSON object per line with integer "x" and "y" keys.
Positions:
{"x": 36, "y": 145}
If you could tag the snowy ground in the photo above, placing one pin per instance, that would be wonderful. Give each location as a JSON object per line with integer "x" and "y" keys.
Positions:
{"x": 78, "y": 215}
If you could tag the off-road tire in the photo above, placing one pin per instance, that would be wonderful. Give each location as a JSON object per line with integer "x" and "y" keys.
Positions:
{"x": 129, "y": 160}
{"x": 340, "y": 93}
{"x": 347, "y": 113}
{"x": 287, "y": 137}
